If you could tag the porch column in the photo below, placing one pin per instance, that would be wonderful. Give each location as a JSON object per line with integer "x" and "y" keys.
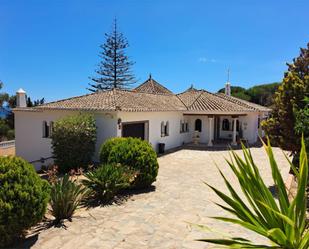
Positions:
{"x": 234, "y": 130}
{"x": 211, "y": 130}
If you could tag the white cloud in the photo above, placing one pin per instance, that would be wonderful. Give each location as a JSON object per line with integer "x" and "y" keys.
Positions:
{"x": 206, "y": 60}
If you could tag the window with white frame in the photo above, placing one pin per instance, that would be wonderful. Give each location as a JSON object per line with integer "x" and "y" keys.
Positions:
{"x": 164, "y": 129}
{"x": 51, "y": 127}
{"x": 184, "y": 126}
{"x": 167, "y": 128}
{"x": 225, "y": 125}
{"x": 45, "y": 129}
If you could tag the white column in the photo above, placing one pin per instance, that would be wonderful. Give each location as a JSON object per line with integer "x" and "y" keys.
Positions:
{"x": 211, "y": 131}
{"x": 234, "y": 131}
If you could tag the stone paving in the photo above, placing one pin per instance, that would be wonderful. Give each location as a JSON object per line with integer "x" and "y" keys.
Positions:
{"x": 159, "y": 219}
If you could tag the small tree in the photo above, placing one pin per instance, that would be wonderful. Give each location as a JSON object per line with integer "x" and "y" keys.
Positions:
{"x": 289, "y": 100}
{"x": 115, "y": 68}
{"x": 73, "y": 141}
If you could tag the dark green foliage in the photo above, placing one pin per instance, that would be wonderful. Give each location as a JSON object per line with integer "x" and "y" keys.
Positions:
{"x": 260, "y": 94}
{"x": 10, "y": 135}
{"x": 4, "y": 129}
{"x": 73, "y": 141}
{"x": 137, "y": 154}
{"x": 37, "y": 102}
{"x": 23, "y": 198}
{"x": 107, "y": 180}
{"x": 114, "y": 71}
{"x": 263, "y": 94}
{"x": 284, "y": 126}
{"x": 66, "y": 197}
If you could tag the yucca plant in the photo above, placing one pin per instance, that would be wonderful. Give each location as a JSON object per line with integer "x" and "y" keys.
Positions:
{"x": 107, "y": 180}
{"x": 66, "y": 197}
{"x": 283, "y": 222}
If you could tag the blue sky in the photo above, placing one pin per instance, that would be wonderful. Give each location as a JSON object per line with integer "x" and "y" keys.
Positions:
{"x": 50, "y": 48}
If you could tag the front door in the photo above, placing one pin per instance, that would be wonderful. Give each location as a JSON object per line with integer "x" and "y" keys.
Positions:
{"x": 133, "y": 130}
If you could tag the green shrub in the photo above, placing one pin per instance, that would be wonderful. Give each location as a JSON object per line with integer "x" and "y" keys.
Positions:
{"x": 107, "y": 180}
{"x": 135, "y": 153}
{"x": 10, "y": 135}
{"x": 283, "y": 222}
{"x": 73, "y": 141}
{"x": 107, "y": 146}
{"x": 23, "y": 198}
{"x": 66, "y": 197}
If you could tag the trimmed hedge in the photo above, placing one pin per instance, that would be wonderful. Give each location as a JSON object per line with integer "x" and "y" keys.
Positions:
{"x": 73, "y": 141}
{"x": 23, "y": 198}
{"x": 135, "y": 153}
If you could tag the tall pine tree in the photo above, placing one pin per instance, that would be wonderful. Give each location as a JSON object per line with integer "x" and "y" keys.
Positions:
{"x": 114, "y": 70}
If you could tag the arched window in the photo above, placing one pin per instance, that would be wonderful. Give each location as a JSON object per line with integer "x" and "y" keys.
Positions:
{"x": 225, "y": 125}
{"x": 198, "y": 125}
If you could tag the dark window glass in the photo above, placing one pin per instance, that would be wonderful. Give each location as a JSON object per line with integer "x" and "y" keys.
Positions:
{"x": 198, "y": 125}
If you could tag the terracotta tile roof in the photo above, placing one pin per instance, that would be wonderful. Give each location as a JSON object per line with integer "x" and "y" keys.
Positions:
{"x": 201, "y": 100}
{"x": 151, "y": 96}
{"x": 152, "y": 86}
{"x": 117, "y": 99}
{"x": 244, "y": 103}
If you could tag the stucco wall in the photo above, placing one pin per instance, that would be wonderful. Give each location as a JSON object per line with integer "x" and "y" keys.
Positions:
{"x": 250, "y": 131}
{"x": 174, "y": 139}
{"x": 249, "y": 124}
{"x": 204, "y": 134}
{"x": 30, "y": 143}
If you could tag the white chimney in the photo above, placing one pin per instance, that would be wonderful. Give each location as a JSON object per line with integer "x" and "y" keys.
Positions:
{"x": 21, "y": 98}
{"x": 228, "y": 88}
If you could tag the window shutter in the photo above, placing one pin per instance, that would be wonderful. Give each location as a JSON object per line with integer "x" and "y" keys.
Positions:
{"x": 167, "y": 129}
{"x": 43, "y": 128}
{"x": 162, "y": 129}
{"x": 51, "y": 127}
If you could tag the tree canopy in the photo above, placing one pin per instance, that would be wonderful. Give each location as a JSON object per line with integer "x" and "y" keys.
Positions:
{"x": 260, "y": 94}
{"x": 290, "y": 111}
{"x": 114, "y": 70}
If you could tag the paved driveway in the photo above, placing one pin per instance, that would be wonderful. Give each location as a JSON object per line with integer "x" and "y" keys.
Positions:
{"x": 158, "y": 219}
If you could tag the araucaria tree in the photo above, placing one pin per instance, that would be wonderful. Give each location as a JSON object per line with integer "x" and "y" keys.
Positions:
{"x": 284, "y": 127}
{"x": 114, "y": 70}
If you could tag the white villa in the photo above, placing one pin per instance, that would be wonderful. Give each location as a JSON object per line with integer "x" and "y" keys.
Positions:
{"x": 150, "y": 112}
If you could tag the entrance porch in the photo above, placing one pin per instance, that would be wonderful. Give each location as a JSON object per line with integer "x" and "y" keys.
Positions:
{"x": 217, "y": 130}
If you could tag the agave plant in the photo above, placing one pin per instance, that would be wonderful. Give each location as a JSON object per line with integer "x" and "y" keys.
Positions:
{"x": 107, "y": 180}
{"x": 283, "y": 222}
{"x": 66, "y": 197}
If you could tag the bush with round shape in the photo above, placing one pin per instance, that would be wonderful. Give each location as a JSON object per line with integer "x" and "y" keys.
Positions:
{"x": 23, "y": 198}
{"x": 107, "y": 146}
{"x": 137, "y": 154}
{"x": 73, "y": 141}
